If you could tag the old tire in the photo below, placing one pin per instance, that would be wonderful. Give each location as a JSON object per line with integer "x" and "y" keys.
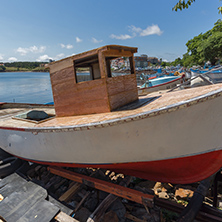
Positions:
{"x": 9, "y": 165}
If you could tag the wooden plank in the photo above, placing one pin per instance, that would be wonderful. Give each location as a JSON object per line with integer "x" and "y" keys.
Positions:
{"x": 18, "y": 203}
{"x": 11, "y": 184}
{"x": 41, "y": 211}
{"x": 62, "y": 217}
{"x": 80, "y": 203}
{"x": 70, "y": 192}
{"x": 133, "y": 218}
{"x": 115, "y": 189}
{"x": 62, "y": 206}
{"x": 104, "y": 205}
{"x": 61, "y": 64}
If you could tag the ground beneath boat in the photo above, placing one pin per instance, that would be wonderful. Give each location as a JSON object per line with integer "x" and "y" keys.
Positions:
{"x": 81, "y": 201}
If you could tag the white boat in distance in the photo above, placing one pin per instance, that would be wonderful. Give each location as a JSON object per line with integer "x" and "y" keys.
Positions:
{"x": 160, "y": 83}
{"x": 172, "y": 137}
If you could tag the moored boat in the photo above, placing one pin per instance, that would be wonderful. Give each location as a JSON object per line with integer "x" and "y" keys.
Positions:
{"x": 160, "y": 83}
{"x": 171, "y": 137}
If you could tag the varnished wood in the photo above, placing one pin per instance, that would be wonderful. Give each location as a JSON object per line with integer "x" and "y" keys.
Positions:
{"x": 99, "y": 95}
{"x": 115, "y": 189}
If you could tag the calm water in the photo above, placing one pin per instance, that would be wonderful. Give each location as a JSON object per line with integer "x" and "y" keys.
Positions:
{"x": 25, "y": 87}
{"x": 29, "y": 87}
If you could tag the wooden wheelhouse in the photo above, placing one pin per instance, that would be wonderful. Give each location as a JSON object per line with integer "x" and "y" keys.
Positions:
{"x": 104, "y": 91}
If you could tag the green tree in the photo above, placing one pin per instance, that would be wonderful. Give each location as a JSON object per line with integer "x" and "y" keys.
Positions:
{"x": 182, "y": 4}
{"x": 2, "y": 68}
{"x": 211, "y": 48}
{"x": 177, "y": 61}
{"x": 205, "y": 47}
{"x": 164, "y": 64}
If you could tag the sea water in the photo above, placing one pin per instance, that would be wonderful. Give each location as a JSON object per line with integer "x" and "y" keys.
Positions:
{"x": 25, "y": 87}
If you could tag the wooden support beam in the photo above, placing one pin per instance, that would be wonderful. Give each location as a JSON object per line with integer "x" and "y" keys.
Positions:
{"x": 108, "y": 187}
{"x": 104, "y": 205}
{"x": 70, "y": 192}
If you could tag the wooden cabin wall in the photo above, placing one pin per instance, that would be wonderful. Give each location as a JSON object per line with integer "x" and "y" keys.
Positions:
{"x": 96, "y": 71}
{"x": 76, "y": 99}
{"x": 122, "y": 90}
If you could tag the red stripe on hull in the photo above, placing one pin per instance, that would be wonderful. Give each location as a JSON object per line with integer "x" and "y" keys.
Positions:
{"x": 182, "y": 170}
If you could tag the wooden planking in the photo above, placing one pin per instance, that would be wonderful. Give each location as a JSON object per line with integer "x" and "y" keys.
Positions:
{"x": 117, "y": 53}
{"x": 123, "y": 98}
{"x": 71, "y": 98}
{"x": 61, "y": 206}
{"x": 61, "y": 64}
{"x": 83, "y": 98}
{"x": 41, "y": 211}
{"x": 122, "y": 90}
{"x": 17, "y": 203}
{"x": 115, "y": 189}
{"x": 10, "y": 184}
{"x": 65, "y": 75}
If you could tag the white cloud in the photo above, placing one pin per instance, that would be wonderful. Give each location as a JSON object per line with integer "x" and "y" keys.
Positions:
{"x": 22, "y": 51}
{"x": 122, "y": 37}
{"x": 62, "y": 45}
{"x": 35, "y": 49}
{"x": 12, "y": 59}
{"x": 78, "y": 40}
{"x": 151, "y": 30}
{"x": 134, "y": 29}
{"x": 43, "y": 58}
{"x": 46, "y": 57}
{"x": 94, "y": 40}
{"x": 68, "y": 46}
{"x": 32, "y": 49}
{"x": 1, "y": 57}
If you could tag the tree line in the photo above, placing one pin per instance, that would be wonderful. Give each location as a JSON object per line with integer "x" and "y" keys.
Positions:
{"x": 29, "y": 66}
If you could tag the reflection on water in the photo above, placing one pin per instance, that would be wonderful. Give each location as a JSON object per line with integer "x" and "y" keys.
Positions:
{"x": 25, "y": 87}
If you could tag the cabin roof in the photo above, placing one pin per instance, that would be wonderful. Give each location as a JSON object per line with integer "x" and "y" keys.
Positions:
{"x": 93, "y": 52}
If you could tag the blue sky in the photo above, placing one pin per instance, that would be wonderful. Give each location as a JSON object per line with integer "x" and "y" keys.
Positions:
{"x": 44, "y": 29}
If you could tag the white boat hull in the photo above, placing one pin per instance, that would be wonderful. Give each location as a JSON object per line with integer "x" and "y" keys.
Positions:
{"x": 186, "y": 129}
{"x": 164, "y": 86}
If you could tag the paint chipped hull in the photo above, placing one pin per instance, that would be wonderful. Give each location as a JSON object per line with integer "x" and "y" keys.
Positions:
{"x": 178, "y": 143}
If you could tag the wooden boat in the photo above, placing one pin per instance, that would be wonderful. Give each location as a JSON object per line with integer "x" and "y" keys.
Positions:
{"x": 160, "y": 83}
{"x": 171, "y": 137}
{"x": 214, "y": 75}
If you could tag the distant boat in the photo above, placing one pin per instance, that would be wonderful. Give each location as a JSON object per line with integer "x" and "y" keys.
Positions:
{"x": 212, "y": 75}
{"x": 170, "y": 137}
{"x": 160, "y": 83}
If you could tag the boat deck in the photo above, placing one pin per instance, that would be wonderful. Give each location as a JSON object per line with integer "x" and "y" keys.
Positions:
{"x": 146, "y": 103}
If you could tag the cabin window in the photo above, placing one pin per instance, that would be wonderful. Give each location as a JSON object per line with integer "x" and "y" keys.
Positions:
{"x": 83, "y": 74}
{"x": 87, "y": 69}
{"x": 119, "y": 66}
